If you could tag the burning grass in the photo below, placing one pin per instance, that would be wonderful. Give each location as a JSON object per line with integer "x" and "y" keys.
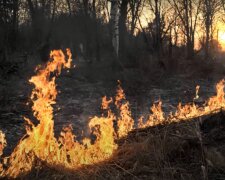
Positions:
{"x": 40, "y": 146}
{"x": 182, "y": 150}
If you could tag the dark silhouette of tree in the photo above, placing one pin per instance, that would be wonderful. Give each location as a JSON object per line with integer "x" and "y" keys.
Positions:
{"x": 136, "y": 8}
{"x": 209, "y": 10}
{"x": 188, "y": 12}
{"x": 8, "y": 26}
{"x": 123, "y": 28}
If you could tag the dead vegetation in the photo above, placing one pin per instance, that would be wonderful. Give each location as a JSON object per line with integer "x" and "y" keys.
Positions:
{"x": 192, "y": 149}
{"x": 189, "y": 149}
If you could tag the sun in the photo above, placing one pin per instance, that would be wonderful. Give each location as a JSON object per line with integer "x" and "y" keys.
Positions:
{"x": 222, "y": 37}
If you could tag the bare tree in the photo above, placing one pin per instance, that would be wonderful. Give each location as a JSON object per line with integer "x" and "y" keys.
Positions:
{"x": 114, "y": 21}
{"x": 223, "y": 4}
{"x": 158, "y": 25}
{"x": 188, "y": 12}
{"x": 136, "y": 8}
{"x": 8, "y": 26}
{"x": 209, "y": 10}
{"x": 69, "y": 7}
{"x": 123, "y": 28}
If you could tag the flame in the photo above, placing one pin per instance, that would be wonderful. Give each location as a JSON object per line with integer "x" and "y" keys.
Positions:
{"x": 214, "y": 103}
{"x": 40, "y": 143}
{"x": 105, "y": 103}
{"x": 186, "y": 111}
{"x": 3, "y": 142}
{"x": 157, "y": 116}
{"x": 125, "y": 121}
{"x": 217, "y": 101}
{"x": 196, "y": 92}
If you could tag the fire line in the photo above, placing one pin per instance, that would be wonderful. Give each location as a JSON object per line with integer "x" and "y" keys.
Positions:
{"x": 40, "y": 143}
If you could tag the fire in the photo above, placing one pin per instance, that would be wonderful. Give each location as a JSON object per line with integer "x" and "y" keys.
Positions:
{"x": 105, "y": 103}
{"x": 40, "y": 143}
{"x": 3, "y": 142}
{"x": 185, "y": 112}
{"x": 125, "y": 121}
{"x": 196, "y": 92}
{"x": 157, "y": 116}
{"x": 217, "y": 101}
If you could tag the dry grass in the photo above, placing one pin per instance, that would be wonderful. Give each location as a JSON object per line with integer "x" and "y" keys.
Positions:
{"x": 192, "y": 149}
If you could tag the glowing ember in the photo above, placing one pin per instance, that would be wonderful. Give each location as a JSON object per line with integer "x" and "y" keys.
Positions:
{"x": 39, "y": 143}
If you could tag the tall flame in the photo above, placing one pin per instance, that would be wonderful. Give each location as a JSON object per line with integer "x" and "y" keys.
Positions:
{"x": 125, "y": 121}
{"x": 40, "y": 142}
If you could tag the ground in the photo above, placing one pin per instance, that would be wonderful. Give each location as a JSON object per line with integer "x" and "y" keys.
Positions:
{"x": 167, "y": 152}
{"x": 192, "y": 150}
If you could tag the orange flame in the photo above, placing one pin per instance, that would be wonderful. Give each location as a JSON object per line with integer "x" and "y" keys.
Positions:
{"x": 157, "y": 116}
{"x": 105, "y": 103}
{"x": 125, "y": 121}
{"x": 196, "y": 92}
{"x": 217, "y": 101}
{"x": 3, "y": 142}
{"x": 188, "y": 110}
{"x": 40, "y": 141}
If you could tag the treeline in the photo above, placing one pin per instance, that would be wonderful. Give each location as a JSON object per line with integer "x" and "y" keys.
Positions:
{"x": 126, "y": 30}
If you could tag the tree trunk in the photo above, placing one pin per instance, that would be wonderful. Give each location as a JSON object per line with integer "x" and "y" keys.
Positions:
{"x": 53, "y": 10}
{"x": 158, "y": 29}
{"x": 97, "y": 55}
{"x": 69, "y": 7}
{"x": 207, "y": 28}
{"x": 31, "y": 10}
{"x": 123, "y": 29}
{"x": 207, "y": 43}
{"x": 170, "y": 44}
{"x": 114, "y": 21}
{"x": 87, "y": 21}
{"x": 14, "y": 24}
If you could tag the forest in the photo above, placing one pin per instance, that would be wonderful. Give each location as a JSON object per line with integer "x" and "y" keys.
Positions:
{"x": 112, "y": 89}
{"x": 138, "y": 34}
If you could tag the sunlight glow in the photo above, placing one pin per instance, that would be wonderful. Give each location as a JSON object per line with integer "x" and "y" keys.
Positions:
{"x": 221, "y": 39}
